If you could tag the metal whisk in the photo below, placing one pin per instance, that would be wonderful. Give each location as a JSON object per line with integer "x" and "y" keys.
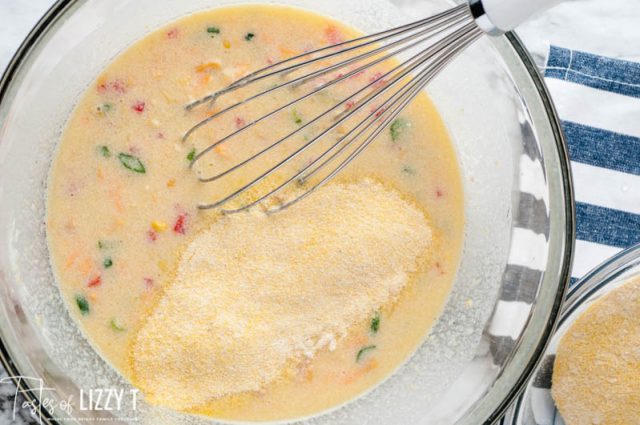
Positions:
{"x": 413, "y": 54}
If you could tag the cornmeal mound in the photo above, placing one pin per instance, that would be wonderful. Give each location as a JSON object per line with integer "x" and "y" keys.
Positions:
{"x": 254, "y": 291}
{"x": 596, "y": 378}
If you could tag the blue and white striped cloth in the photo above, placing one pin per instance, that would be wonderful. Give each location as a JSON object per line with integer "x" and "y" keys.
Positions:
{"x": 598, "y": 101}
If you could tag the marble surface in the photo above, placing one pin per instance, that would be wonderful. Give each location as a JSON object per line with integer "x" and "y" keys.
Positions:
{"x": 606, "y": 27}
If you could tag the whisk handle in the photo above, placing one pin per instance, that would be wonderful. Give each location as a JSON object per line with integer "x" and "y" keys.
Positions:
{"x": 498, "y": 16}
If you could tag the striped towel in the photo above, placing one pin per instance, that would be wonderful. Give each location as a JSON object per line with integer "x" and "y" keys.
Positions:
{"x": 598, "y": 101}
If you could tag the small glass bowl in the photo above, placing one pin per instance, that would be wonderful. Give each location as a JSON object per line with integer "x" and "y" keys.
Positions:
{"x": 535, "y": 406}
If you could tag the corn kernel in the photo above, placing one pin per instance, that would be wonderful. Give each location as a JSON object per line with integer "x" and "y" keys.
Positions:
{"x": 171, "y": 182}
{"x": 159, "y": 226}
{"x": 162, "y": 265}
{"x": 226, "y": 44}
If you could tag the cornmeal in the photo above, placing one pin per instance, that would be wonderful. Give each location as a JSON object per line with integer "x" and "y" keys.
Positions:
{"x": 596, "y": 377}
{"x": 241, "y": 307}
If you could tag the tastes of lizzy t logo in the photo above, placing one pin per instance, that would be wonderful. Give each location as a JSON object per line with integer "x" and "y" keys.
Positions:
{"x": 93, "y": 400}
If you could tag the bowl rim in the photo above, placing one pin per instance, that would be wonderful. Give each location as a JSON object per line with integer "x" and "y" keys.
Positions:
{"x": 514, "y": 42}
{"x": 59, "y": 9}
{"x": 599, "y": 281}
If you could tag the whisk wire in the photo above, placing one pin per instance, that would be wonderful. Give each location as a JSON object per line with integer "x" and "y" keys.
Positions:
{"x": 451, "y": 31}
{"x": 341, "y": 119}
{"x": 418, "y": 87}
{"x": 460, "y": 10}
{"x": 418, "y": 60}
{"x": 304, "y": 78}
{"x": 398, "y": 104}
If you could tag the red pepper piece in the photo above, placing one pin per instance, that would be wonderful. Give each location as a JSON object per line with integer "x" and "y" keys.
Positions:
{"x": 95, "y": 281}
{"x": 138, "y": 107}
{"x": 179, "y": 226}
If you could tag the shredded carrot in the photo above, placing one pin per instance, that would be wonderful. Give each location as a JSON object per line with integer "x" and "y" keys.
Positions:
{"x": 333, "y": 35}
{"x": 85, "y": 266}
{"x": 308, "y": 375}
{"x": 204, "y": 79}
{"x": 70, "y": 225}
{"x": 208, "y": 66}
{"x": 351, "y": 377}
{"x": 115, "y": 194}
{"x": 222, "y": 150}
{"x": 117, "y": 224}
{"x": 287, "y": 53}
{"x": 71, "y": 258}
{"x": 205, "y": 112}
{"x": 171, "y": 182}
{"x": 358, "y": 341}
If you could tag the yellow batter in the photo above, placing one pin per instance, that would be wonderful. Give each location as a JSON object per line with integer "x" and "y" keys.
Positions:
{"x": 246, "y": 317}
{"x": 596, "y": 376}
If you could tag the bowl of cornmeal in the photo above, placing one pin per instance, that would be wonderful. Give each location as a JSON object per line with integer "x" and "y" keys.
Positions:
{"x": 590, "y": 373}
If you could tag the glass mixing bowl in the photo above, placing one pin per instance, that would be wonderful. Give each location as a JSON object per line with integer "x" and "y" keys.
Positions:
{"x": 535, "y": 406}
{"x": 519, "y": 226}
